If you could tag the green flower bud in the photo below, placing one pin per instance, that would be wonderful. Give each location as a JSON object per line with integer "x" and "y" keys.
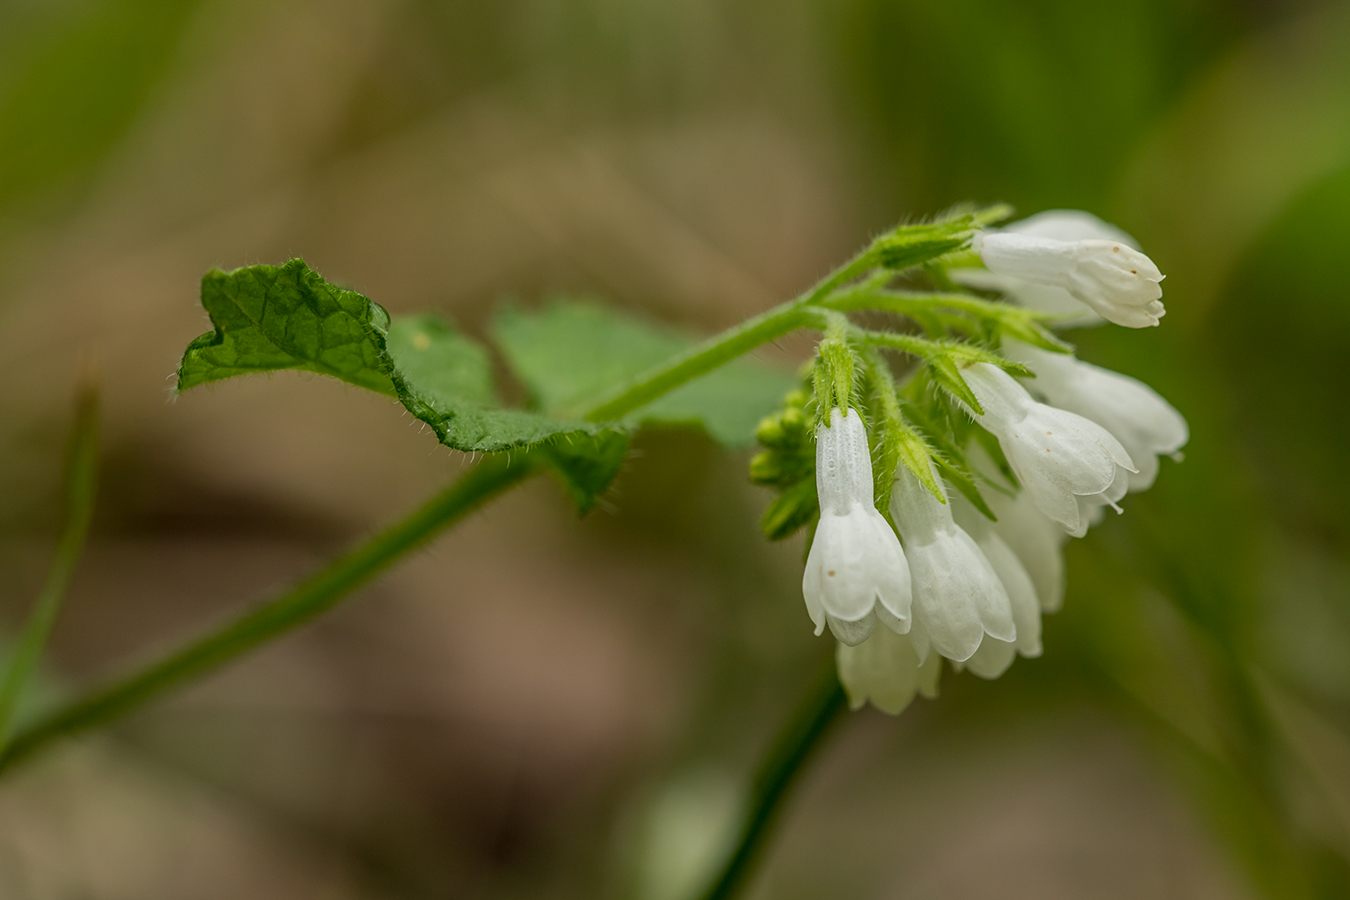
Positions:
{"x": 790, "y": 510}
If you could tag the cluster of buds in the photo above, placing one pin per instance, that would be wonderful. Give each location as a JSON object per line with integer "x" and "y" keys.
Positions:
{"x": 910, "y": 561}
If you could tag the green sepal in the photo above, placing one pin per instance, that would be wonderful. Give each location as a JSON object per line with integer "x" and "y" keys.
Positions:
{"x": 913, "y": 245}
{"x": 964, "y": 482}
{"x": 791, "y": 510}
{"x": 945, "y": 454}
{"x": 1031, "y": 329}
{"x": 833, "y": 376}
{"x": 947, "y": 373}
{"x": 914, "y": 452}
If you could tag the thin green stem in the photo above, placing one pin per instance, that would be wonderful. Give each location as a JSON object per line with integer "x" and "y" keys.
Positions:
{"x": 800, "y": 312}
{"x": 487, "y": 479}
{"x": 313, "y": 596}
{"x": 912, "y": 302}
{"x": 701, "y": 359}
{"x": 275, "y": 617}
{"x": 923, "y": 348}
{"x": 81, "y": 486}
{"x": 784, "y": 763}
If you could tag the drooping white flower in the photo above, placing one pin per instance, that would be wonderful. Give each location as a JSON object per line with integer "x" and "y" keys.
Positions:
{"x": 1058, "y": 456}
{"x": 1043, "y": 297}
{"x": 1032, "y": 535}
{"x": 1056, "y": 224}
{"x": 856, "y": 572}
{"x": 1078, "y": 254}
{"x": 1037, "y": 541}
{"x": 1060, "y": 225}
{"x": 1071, "y": 225}
{"x": 886, "y": 670}
{"x": 1146, "y": 425}
{"x": 994, "y": 656}
{"x": 958, "y": 598}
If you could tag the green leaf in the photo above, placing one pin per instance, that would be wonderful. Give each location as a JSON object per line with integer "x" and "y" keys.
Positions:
{"x": 445, "y": 365}
{"x": 586, "y": 463}
{"x": 571, "y": 352}
{"x": 287, "y": 317}
{"x": 270, "y": 318}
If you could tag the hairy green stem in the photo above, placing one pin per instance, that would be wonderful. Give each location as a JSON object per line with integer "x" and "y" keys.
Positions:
{"x": 488, "y": 478}
{"x": 701, "y": 359}
{"x": 804, "y": 310}
{"x": 911, "y": 302}
{"x": 790, "y": 753}
{"x": 321, "y": 591}
{"x": 292, "y": 608}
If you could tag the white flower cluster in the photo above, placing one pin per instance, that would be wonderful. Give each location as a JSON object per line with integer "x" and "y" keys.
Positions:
{"x": 963, "y": 587}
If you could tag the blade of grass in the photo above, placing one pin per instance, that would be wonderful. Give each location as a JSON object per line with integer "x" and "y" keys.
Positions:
{"x": 285, "y": 612}
{"x": 81, "y": 485}
{"x": 782, "y": 765}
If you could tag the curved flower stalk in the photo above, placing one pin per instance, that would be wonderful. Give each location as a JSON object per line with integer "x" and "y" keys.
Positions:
{"x": 958, "y": 597}
{"x": 994, "y": 657}
{"x": 1058, "y": 456}
{"x": 1146, "y": 425}
{"x": 886, "y": 670}
{"x": 856, "y": 572}
{"x": 1059, "y": 260}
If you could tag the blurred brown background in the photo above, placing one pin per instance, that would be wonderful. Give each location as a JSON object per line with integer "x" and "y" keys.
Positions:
{"x": 538, "y": 706}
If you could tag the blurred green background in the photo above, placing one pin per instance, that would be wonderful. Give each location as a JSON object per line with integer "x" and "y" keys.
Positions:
{"x": 536, "y": 707}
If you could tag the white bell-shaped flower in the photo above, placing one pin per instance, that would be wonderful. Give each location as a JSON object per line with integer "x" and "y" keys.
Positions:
{"x": 1070, "y": 225}
{"x": 1118, "y": 282}
{"x": 1146, "y": 425}
{"x": 1037, "y": 541}
{"x": 886, "y": 670}
{"x": 1060, "y": 225}
{"x": 1030, "y": 533}
{"x": 958, "y": 598}
{"x": 1058, "y": 456}
{"x": 856, "y": 572}
{"x": 994, "y": 656}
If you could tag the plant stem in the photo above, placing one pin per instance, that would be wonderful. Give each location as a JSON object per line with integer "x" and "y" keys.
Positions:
{"x": 81, "y": 486}
{"x": 321, "y": 591}
{"x": 488, "y": 478}
{"x": 701, "y": 359}
{"x": 911, "y": 302}
{"x": 804, "y": 310}
{"x": 803, "y": 734}
{"x": 292, "y": 608}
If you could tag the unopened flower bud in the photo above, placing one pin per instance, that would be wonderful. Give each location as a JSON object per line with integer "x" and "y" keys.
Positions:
{"x": 1113, "y": 278}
